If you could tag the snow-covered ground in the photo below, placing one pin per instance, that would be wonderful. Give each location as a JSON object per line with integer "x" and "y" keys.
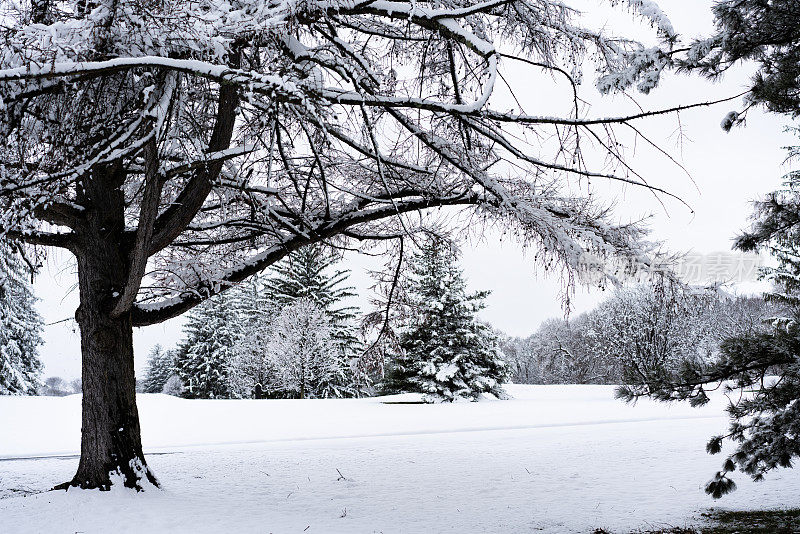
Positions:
{"x": 555, "y": 459}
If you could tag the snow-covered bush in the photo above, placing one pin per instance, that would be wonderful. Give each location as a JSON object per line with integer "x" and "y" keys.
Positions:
{"x": 173, "y": 386}
{"x": 647, "y": 326}
{"x": 55, "y": 386}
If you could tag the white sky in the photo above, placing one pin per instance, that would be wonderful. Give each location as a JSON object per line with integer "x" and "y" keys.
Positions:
{"x": 729, "y": 171}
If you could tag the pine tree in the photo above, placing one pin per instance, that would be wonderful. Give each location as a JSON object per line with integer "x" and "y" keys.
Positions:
{"x": 763, "y": 361}
{"x": 758, "y": 33}
{"x": 446, "y": 353}
{"x": 20, "y": 329}
{"x": 160, "y": 366}
{"x": 311, "y": 273}
{"x": 764, "y": 33}
{"x": 202, "y": 357}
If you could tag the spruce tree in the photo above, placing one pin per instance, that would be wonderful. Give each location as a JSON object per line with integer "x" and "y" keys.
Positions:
{"x": 20, "y": 329}
{"x": 202, "y": 357}
{"x": 446, "y": 353}
{"x": 310, "y": 273}
{"x": 160, "y": 366}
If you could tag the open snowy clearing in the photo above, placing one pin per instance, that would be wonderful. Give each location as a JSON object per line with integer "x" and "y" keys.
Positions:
{"x": 555, "y": 459}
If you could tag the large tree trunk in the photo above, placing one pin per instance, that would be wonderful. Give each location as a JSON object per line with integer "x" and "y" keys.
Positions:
{"x": 111, "y": 444}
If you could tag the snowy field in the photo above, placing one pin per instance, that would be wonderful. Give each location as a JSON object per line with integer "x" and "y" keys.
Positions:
{"x": 556, "y": 459}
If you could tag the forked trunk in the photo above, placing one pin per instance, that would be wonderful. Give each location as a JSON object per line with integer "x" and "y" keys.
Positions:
{"x": 111, "y": 443}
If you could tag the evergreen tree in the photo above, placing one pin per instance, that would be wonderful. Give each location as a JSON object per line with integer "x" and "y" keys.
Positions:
{"x": 202, "y": 357}
{"x": 311, "y": 273}
{"x": 445, "y": 352}
{"x": 160, "y": 366}
{"x": 249, "y": 369}
{"x": 305, "y": 274}
{"x": 20, "y": 329}
{"x": 763, "y": 361}
{"x": 303, "y": 354}
{"x": 766, "y": 33}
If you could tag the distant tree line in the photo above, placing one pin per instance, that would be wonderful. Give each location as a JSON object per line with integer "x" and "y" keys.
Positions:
{"x": 55, "y": 386}
{"x": 632, "y": 332}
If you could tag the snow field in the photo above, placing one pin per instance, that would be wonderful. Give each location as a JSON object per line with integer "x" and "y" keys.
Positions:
{"x": 556, "y": 459}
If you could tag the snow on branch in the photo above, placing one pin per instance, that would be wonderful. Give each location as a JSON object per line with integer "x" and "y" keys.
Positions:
{"x": 230, "y": 134}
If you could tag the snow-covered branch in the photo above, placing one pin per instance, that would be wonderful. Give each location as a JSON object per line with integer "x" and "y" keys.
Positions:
{"x": 226, "y": 136}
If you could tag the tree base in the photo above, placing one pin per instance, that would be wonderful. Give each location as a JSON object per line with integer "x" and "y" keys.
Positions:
{"x": 132, "y": 476}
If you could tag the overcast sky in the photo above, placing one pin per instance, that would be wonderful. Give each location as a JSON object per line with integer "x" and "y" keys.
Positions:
{"x": 727, "y": 172}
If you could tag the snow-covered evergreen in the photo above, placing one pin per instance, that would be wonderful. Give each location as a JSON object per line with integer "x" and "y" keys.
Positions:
{"x": 160, "y": 367}
{"x": 254, "y": 341}
{"x": 446, "y": 353}
{"x": 202, "y": 358}
{"x": 304, "y": 355}
{"x": 20, "y": 329}
{"x": 249, "y": 368}
{"x": 311, "y": 273}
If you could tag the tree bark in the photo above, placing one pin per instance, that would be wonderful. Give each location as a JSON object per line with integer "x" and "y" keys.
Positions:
{"x": 111, "y": 444}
